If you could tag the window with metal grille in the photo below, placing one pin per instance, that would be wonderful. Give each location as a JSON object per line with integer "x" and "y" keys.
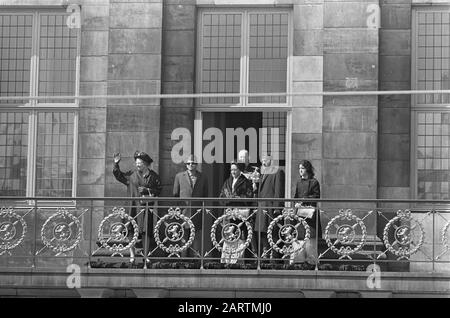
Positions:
{"x": 274, "y": 136}
{"x": 57, "y": 57}
{"x": 433, "y": 55}
{"x": 39, "y": 57}
{"x": 13, "y": 153}
{"x": 243, "y": 51}
{"x": 433, "y": 159}
{"x": 54, "y": 156}
{"x": 15, "y": 58}
{"x": 431, "y": 70}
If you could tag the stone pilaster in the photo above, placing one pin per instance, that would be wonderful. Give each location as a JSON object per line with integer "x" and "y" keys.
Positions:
{"x": 350, "y": 122}
{"x": 307, "y": 76}
{"x": 395, "y": 110}
{"x": 178, "y": 69}
{"x": 134, "y": 67}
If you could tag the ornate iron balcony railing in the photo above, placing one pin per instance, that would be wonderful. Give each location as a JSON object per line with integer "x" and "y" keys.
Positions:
{"x": 210, "y": 233}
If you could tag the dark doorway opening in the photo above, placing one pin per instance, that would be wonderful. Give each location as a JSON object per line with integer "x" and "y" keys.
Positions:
{"x": 218, "y": 172}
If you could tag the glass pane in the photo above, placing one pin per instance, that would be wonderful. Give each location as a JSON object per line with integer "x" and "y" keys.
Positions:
{"x": 432, "y": 62}
{"x": 274, "y": 136}
{"x": 221, "y": 54}
{"x": 57, "y": 58}
{"x": 54, "y": 158}
{"x": 13, "y": 153}
{"x": 15, "y": 56}
{"x": 268, "y": 56}
{"x": 433, "y": 157}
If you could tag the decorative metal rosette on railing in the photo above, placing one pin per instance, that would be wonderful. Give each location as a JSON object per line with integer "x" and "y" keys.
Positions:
{"x": 288, "y": 233}
{"x": 402, "y": 235}
{"x": 12, "y": 230}
{"x": 445, "y": 236}
{"x": 61, "y": 232}
{"x": 113, "y": 232}
{"x": 345, "y": 233}
{"x": 232, "y": 232}
{"x": 174, "y": 232}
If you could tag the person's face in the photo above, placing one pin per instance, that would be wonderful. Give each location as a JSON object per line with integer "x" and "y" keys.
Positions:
{"x": 243, "y": 156}
{"x": 191, "y": 166}
{"x": 266, "y": 161}
{"x": 302, "y": 171}
{"x": 235, "y": 172}
{"x": 141, "y": 165}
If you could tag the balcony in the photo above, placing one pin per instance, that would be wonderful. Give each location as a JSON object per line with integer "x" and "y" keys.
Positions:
{"x": 93, "y": 247}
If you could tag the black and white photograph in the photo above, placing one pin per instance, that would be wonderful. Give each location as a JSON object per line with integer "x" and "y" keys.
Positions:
{"x": 236, "y": 152}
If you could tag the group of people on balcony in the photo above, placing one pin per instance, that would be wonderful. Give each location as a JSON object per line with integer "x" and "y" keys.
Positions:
{"x": 245, "y": 181}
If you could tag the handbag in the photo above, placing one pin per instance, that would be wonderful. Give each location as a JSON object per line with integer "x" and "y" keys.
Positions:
{"x": 229, "y": 256}
{"x": 243, "y": 212}
{"x": 298, "y": 255}
{"x": 306, "y": 212}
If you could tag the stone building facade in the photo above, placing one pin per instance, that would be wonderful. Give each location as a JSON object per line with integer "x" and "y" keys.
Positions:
{"x": 363, "y": 146}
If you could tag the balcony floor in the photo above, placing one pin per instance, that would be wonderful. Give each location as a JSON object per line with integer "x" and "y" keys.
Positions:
{"x": 189, "y": 283}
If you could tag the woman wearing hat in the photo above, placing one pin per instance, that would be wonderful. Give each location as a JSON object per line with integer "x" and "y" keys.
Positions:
{"x": 140, "y": 182}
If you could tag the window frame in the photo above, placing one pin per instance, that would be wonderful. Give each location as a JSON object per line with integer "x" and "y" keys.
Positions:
{"x": 243, "y": 104}
{"x": 416, "y": 108}
{"x": 33, "y": 107}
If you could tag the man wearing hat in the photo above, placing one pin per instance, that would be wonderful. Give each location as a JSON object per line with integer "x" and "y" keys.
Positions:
{"x": 188, "y": 184}
{"x": 140, "y": 182}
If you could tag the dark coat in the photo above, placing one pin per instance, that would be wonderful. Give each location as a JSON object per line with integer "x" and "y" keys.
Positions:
{"x": 271, "y": 185}
{"x": 182, "y": 188}
{"x": 310, "y": 188}
{"x": 247, "y": 172}
{"x": 132, "y": 179}
{"x": 242, "y": 189}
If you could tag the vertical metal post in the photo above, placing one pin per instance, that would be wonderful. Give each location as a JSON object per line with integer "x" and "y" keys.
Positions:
{"x": 191, "y": 211}
{"x": 35, "y": 233}
{"x": 258, "y": 243}
{"x": 317, "y": 237}
{"x": 374, "y": 240}
{"x": 147, "y": 235}
{"x": 154, "y": 215}
{"x": 433, "y": 212}
{"x": 202, "y": 247}
{"x": 91, "y": 228}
